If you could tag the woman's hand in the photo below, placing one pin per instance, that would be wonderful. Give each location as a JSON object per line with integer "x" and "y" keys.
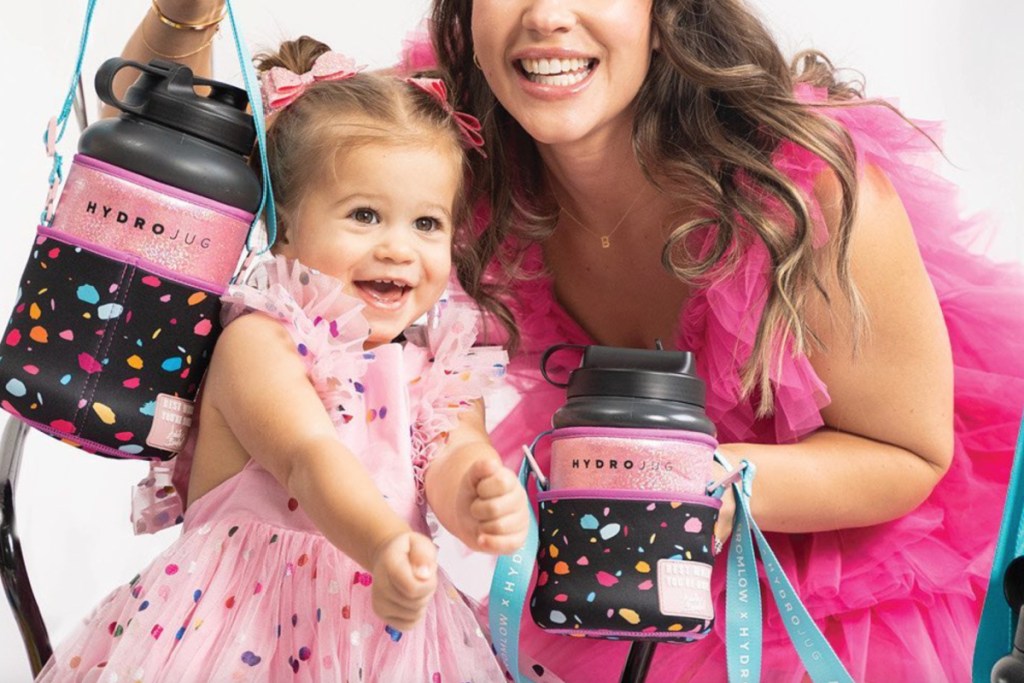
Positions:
{"x": 404, "y": 570}
{"x": 492, "y": 508}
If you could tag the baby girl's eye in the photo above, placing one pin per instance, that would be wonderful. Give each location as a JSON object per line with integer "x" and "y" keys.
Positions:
{"x": 427, "y": 224}
{"x": 364, "y": 215}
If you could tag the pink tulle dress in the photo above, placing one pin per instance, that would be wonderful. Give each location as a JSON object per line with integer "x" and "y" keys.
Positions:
{"x": 252, "y": 591}
{"x": 899, "y": 601}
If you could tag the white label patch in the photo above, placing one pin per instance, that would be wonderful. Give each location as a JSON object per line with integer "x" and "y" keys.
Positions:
{"x": 684, "y": 589}
{"x": 171, "y": 420}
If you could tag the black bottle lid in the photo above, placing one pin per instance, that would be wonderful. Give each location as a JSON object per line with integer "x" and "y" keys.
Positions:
{"x": 634, "y": 373}
{"x": 165, "y": 93}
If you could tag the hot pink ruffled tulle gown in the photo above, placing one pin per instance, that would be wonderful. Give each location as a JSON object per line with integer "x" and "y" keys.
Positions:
{"x": 252, "y": 591}
{"x": 900, "y": 601}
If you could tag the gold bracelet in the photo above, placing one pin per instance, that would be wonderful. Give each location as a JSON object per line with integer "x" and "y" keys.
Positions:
{"x": 185, "y": 25}
{"x": 145, "y": 41}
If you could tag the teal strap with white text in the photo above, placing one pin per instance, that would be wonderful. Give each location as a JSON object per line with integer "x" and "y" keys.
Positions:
{"x": 743, "y": 603}
{"x": 56, "y": 128}
{"x": 509, "y": 587}
{"x": 998, "y": 622}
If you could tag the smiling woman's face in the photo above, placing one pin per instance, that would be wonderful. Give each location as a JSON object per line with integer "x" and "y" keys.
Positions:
{"x": 566, "y": 70}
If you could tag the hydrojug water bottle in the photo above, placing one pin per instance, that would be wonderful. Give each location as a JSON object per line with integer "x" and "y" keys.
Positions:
{"x": 633, "y": 419}
{"x": 118, "y": 307}
{"x": 625, "y": 525}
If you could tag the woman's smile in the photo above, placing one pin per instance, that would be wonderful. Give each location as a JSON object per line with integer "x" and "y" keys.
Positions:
{"x": 567, "y": 71}
{"x": 555, "y": 71}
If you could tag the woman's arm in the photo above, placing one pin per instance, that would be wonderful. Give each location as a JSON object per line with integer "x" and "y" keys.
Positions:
{"x": 889, "y": 428}
{"x": 155, "y": 39}
{"x": 472, "y": 493}
{"x": 258, "y": 385}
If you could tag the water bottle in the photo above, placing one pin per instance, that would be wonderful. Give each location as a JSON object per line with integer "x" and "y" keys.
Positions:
{"x": 633, "y": 419}
{"x": 166, "y": 181}
{"x": 118, "y": 307}
{"x": 625, "y": 524}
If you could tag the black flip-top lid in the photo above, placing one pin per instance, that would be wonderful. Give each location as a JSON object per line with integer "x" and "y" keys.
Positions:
{"x": 634, "y": 373}
{"x": 165, "y": 93}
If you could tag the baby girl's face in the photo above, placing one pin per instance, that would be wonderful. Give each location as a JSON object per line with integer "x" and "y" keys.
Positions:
{"x": 382, "y": 225}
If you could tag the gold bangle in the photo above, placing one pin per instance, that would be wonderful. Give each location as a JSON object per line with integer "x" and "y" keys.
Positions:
{"x": 186, "y": 25}
{"x": 145, "y": 41}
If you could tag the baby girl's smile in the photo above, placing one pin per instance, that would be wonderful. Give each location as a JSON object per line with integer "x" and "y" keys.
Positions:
{"x": 384, "y": 294}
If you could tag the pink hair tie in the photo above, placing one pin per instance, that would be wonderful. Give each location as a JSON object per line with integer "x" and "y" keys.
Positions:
{"x": 469, "y": 125}
{"x": 281, "y": 86}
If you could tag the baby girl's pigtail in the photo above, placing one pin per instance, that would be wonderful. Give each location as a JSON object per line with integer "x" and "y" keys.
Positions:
{"x": 468, "y": 126}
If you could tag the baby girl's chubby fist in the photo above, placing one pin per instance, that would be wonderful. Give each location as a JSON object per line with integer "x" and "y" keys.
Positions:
{"x": 493, "y": 508}
{"x": 404, "y": 572}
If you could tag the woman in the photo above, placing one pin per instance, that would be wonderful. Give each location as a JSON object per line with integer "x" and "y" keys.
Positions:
{"x": 656, "y": 171}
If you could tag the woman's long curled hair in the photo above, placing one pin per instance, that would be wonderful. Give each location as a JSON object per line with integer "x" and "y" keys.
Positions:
{"x": 305, "y": 138}
{"x": 716, "y": 104}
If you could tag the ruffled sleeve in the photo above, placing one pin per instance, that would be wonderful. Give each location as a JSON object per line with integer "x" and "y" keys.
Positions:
{"x": 719, "y": 324}
{"x": 326, "y": 324}
{"x": 455, "y": 373}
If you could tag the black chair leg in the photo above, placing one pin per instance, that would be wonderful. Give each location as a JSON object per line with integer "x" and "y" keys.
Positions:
{"x": 638, "y": 662}
{"x": 12, "y": 562}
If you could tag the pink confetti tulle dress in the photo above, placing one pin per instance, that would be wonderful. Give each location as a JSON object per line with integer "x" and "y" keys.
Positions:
{"x": 899, "y": 601}
{"x": 252, "y": 591}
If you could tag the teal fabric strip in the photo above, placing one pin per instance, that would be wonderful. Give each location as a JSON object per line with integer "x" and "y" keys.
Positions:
{"x": 252, "y": 88}
{"x": 509, "y": 587}
{"x": 998, "y": 621}
{"x": 743, "y": 617}
{"x": 57, "y": 171}
{"x": 743, "y": 623}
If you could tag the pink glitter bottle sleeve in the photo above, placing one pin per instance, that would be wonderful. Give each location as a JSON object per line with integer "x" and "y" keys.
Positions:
{"x": 631, "y": 459}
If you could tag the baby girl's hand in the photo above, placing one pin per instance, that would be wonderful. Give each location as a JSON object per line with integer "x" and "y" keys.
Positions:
{"x": 493, "y": 507}
{"x": 404, "y": 578}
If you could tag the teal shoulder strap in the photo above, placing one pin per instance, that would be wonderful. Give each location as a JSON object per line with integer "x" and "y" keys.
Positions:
{"x": 509, "y": 587}
{"x": 743, "y": 603}
{"x": 998, "y": 622}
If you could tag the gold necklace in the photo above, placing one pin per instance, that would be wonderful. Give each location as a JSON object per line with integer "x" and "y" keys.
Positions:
{"x": 606, "y": 238}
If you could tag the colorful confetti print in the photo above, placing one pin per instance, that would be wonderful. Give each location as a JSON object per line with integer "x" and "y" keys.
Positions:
{"x": 84, "y": 354}
{"x": 597, "y": 568}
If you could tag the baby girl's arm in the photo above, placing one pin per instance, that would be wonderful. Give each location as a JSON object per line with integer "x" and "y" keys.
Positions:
{"x": 258, "y": 383}
{"x": 473, "y": 495}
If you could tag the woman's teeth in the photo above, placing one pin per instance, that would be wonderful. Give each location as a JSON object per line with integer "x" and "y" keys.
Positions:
{"x": 561, "y": 72}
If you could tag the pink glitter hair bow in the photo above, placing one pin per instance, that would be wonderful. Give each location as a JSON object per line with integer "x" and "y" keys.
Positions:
{"x": 281, "y": 86}
{"x": 469, "y": 125}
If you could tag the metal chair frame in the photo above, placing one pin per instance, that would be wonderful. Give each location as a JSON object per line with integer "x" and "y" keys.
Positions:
{"x": 12, "y": 563}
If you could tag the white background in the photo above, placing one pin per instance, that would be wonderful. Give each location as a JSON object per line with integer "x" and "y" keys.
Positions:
{"x": 946, "y": 59}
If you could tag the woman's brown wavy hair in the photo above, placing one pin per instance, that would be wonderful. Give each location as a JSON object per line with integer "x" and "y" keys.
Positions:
{"x": 716, "y": 104}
